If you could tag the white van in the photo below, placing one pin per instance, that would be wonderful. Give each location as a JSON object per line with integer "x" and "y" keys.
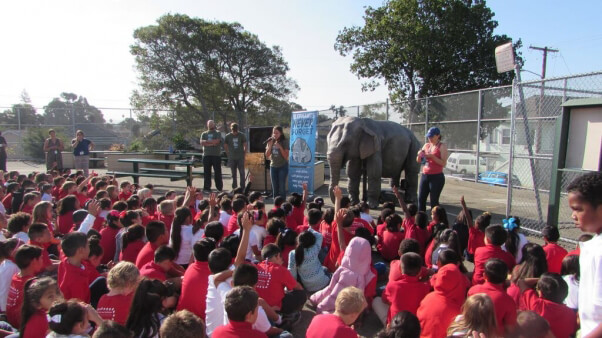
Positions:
{"x": 464, "y": 163}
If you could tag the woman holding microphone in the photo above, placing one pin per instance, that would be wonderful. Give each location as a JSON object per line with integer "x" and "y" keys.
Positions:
{"x": 277, "y": 151}
{"x": 434, "y": 156}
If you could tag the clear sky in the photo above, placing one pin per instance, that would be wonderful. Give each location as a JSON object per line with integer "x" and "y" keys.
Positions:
{"x": 82, "y": 46}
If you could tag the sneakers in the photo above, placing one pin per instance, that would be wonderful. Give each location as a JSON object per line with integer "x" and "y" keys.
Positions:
{"x": 289, "y": 320}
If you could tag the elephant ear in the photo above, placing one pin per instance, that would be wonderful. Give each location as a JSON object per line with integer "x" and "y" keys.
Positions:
{"x": 369, "y": 142}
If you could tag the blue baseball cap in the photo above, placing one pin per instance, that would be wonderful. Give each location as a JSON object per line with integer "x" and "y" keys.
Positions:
{"x": 433, "y": 131}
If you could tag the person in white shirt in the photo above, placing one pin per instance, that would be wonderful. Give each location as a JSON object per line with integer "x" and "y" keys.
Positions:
{"x": 220, "y": 281}
{"x": 585, "y": 201}
{"x": 7, "y": 269}
{"x": 225, "y": 211}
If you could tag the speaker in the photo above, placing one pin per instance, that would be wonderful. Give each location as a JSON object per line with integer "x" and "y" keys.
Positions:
{"x": 257, "y": 137}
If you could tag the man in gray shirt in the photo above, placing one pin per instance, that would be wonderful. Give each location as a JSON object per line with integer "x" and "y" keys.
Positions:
{"x": 212, "y": 141}
{"x": 236, "y": 148}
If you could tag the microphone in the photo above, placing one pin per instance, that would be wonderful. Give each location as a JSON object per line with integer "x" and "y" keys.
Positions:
{"x": 268, "y": 140}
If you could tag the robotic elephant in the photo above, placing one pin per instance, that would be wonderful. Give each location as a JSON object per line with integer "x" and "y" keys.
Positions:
{"x": 384, "y": 148}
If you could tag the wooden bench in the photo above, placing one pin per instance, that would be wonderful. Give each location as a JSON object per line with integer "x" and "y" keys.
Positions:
{"x": 172, "y": 176}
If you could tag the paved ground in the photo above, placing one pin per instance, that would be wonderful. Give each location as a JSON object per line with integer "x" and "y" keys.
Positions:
{"x": 479, "y": 198}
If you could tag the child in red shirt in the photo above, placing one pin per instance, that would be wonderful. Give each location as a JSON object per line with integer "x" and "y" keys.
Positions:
{"x": 196, "y": 279}
{"x": 29, "y": 201}
{"x": 350, "y": 303}
{"x": 298, "y": 203}
{"x": 29, "y": 259}
{"x": 273, "y": 228}
{"x": 287, "y": 242}
{"x": 38, "y": 297}
{"x": 73, "y": 276}
{"x": 122, "y": 282}
{"x": 166, "y": 213}
{"x": 125, "y": 190}
{"x": 547, "y": 302}
{"x": 238, "y": 205}
{"x": 496, "y": 273}
{"x": 404, "y": 294}
{"x": 66, "y": 207}
{"x": 108, "y": 235}
{"x": 274, "y": 278}
{"x": 439, "y": 308}
{"x": 132, "y": 243}
{"x": 476, "y": 230}
{"x": 155, "y": 236}
{"x": 40, "y": 236}
{"x": 554, "y": 252}
{"x": 418, "y": 231}
{"x": 388, "y": 242}
{"x": 242, "y": 309}
{"x": 157, "y": 269}
{"x": 495, "y": 237}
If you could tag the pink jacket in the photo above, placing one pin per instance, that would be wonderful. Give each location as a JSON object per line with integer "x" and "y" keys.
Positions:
{"x": 354, "y": 271}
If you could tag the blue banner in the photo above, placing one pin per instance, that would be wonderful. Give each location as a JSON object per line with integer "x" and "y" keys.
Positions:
{"x": 302, "y": 151}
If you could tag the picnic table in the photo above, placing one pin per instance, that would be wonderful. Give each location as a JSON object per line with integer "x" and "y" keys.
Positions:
{"x": 172, "y": 174}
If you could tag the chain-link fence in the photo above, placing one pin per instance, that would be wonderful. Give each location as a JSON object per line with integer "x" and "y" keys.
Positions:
{"x": 488, "y": 143}
{"x": 500, "y": 136}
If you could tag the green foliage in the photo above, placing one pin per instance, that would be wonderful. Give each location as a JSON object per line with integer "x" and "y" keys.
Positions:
{"x": 33, "y": 141}
{"x": 70, "y": 108}
{"x": 180, "y": 142}
{"x": 374, "y": 111}
{"x": 136, "y": 146}
{"x": 22, "y": 113}
{"x": 426, "y": 47}
{"x": 338, "y": 112}
{"x": 196, "y": 67}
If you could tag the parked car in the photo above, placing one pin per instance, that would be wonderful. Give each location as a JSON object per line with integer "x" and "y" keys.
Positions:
{"x": 464, "y": 163}
{"x": 498, "y": 178}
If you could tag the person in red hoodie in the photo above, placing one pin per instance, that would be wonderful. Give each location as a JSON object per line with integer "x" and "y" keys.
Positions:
{"x": 495, "y": 237}
{"x": 39, "y": 235}
{"x": 132, "y": 243}
{"x": 156, "y": 235}
{"x": 122, "y": 282}
{"x": 73, "y": 275}
{"x": 547, "y": 302}
{"x": 238, "y": 205}
{"x": 404, "y": 294}
{"x": 496, "y": 273}
{"x": 196, "y": 279}
{"x": 439, "y": 308}
{"x": 125, "y": 190}
{"x": 554, "y": 252}
{"x": 418, "y": 231}
{"x": 241, "y": 305}
{"x": 29, "y": 259}
{"x": 66, "y": 207}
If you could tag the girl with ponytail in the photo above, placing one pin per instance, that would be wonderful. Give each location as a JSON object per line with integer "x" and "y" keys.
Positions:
{"x": 304, "y": 264}
{"x": 516, "y": 240}
{"x": 388, "y": 242}
{"x": 181, "y": 236}
{"x": 108, "y": 235}
{"x": 145, "y": 316}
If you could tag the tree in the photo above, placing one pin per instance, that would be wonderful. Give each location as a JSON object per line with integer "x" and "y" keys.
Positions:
{"x": 70, "y": 108}
{"x": 21, "y": 114}
{"x": 33, "y": 142}
{"x": 195, "y": 66}
{"x": 338, "y": 112}
{"x": 374, "y": 111}
{"x": 426, "y": 47}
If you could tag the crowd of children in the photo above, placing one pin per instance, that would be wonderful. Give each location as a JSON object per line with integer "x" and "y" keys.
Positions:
{"x": 82, "y": 256}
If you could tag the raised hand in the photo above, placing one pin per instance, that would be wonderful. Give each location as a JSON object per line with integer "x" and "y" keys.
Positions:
{"x": 304, "y": 186}
{"x": 213, "y": 199}
{"x": 93, "y": 208}
{"x": 340, "y": 216}
{"x": 337, "y": 192}
{"x": 247, "y": 221}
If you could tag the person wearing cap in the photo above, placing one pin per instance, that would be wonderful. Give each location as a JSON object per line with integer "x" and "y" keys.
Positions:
{"x": 434, "y": 157}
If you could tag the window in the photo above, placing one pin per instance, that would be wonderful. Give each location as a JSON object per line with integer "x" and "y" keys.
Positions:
{"x": 505, "y": 136}
{"x": 464, "y": 162}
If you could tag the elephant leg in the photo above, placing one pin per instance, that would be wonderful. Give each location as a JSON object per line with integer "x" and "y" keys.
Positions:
{"x": 374, "y": 171}
{"x": 411, "y": 192}
{"x": 354, "y": 174}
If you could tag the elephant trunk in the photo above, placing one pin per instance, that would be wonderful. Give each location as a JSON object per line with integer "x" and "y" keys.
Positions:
{"x": 335, "y": 161}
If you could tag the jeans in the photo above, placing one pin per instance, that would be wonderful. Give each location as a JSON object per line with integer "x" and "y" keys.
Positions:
{"x": 278, "y": 176}
{"x": 433, "y": 185}
{"x": 82, "y": 162}
{"x": 215, "y": 163}
{"x": 237, "y": 167}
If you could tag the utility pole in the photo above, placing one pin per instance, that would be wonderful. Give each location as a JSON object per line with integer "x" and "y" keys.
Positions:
{"x": 545, "y": 51}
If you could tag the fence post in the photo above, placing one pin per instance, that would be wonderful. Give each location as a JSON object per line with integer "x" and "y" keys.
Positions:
{"x": 511, "y": 152}
{"x": 22, "y": 150}
{"x": 426, "y": 118}
{"x": 479, "y": 112}
{"x": 387, "y": 109}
